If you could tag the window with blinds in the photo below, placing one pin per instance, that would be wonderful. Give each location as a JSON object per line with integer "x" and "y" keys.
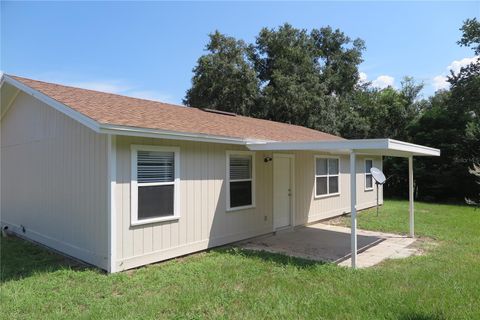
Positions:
{"x": 154, "y": 183}
{"x": 327, "y": 176}
{"x": 368, "y": 174}
{"x": 240, "y": 180}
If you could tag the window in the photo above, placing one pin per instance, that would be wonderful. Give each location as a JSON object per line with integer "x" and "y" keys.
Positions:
{"x": 155, "y": 184}
{"x": 327, "y": 178}
{"x": 368, "y": 174}
{"x": 240, "y": 180}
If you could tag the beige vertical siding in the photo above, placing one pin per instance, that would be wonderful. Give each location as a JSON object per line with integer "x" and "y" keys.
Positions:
{"x": 54, "y": 183}
{"x": 309, "y": 209}
{"x": 204, "y": 221}
{"x": 54, "y": 180}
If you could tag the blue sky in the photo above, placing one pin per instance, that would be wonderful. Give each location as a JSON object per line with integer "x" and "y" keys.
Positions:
{"x": 148, "y": 49}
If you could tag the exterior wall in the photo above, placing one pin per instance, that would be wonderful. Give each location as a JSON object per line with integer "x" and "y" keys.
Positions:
{"x": 204, "y": 221}
{"x": 54, "y": 180}
{"x": 309, "y": 209}
{"x": 54, "y": 183}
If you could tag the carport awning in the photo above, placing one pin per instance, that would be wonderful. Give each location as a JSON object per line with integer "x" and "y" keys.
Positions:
{"x": 384, "y": 147}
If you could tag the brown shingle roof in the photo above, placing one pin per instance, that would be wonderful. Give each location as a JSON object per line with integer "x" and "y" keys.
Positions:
{"x": 112, "y": 109}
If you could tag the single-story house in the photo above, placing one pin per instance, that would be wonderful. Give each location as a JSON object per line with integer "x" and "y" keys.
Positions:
{"x": 120, "y": 182}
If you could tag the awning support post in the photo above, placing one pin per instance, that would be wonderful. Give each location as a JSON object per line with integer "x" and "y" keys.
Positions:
{"x": 410, "y": 195}
{"x": 353, "y": 209}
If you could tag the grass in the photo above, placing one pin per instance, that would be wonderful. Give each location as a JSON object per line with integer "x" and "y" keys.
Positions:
{"x": 234, "y": 284}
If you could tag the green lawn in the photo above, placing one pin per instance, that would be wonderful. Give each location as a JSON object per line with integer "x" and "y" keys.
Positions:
{"x": 229, "y": 283}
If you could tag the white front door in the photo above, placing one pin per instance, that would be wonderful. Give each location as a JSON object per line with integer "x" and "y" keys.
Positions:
{"x": 282, "y": 190}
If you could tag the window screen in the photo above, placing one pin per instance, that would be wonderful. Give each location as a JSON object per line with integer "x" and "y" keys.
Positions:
{"x": 240, "y": 176}
{"x": 327, "y": 177}
{"x": 368, "y": 174}
{"x": 155, "y": 201}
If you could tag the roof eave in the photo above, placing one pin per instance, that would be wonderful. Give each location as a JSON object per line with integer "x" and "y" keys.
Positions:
{"x": 386, "y": 147}
{"x": 174, "y": 135}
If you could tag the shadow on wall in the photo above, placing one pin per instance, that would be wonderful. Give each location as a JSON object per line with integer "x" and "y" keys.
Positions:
{"x": 20, "y": 258}
{"x": 230, "y": 226}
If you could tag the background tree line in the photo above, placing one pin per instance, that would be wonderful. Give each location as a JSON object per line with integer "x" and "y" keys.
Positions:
{"x": 311, "y": 78}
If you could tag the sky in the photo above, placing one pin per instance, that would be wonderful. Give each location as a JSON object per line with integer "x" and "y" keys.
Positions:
{"x": 148, "y": 49}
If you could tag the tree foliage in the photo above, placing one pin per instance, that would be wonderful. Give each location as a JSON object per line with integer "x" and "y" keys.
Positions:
{"x": 311, "y": 78}
{"x": 288, "y": 75}
{"x": 224, "y": 79}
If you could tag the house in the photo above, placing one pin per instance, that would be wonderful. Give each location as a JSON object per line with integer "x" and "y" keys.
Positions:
{"x": 120, "y": 182}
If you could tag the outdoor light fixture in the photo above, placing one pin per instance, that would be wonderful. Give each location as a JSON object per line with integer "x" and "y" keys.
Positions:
{"x": 267, "y": 159}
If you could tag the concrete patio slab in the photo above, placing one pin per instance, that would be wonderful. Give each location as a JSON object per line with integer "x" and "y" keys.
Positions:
{"x": 327, "y": 243}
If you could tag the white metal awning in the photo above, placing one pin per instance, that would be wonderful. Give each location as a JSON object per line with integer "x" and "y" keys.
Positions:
{"x": 384, "y": 147}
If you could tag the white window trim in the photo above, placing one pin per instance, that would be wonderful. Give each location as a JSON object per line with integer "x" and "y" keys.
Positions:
{"x": 228, "y": 154}
{"x": 134, "y": 185}
{"x": 326, "y": 175}
{"x": 367, "y": 174}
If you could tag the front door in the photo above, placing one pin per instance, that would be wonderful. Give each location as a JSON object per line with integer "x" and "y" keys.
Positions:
{"x": 282, "y": 190}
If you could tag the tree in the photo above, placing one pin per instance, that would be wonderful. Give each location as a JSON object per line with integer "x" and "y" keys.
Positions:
{"x": 339, "y": 57}
{"x": 304, "y": 74}
{"x": 374, "y": 113}
{"x": 285, "y": 60}
{"x": 464, "y": 104}
{"x": 476, "y": 172}
{"x": 288, "y": 75}
{"x": 224, "y": 79}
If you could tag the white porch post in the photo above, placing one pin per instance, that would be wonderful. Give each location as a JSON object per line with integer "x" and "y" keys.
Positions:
{"x": 353, "y": 209}
{"x": 410, "y": 194}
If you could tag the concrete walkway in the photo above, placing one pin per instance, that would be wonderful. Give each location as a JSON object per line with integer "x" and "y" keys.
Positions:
{"x": 327, "y": 243}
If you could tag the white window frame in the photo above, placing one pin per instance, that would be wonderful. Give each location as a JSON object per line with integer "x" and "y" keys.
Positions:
{"x": 253, "y": 179}
{"x": 328, "y": 175}
{"x": 367, "y": 174}
{"x": 134, "y": 184}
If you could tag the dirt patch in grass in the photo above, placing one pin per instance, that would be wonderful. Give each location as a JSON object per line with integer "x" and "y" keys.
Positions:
{"x": 423, "y": 245}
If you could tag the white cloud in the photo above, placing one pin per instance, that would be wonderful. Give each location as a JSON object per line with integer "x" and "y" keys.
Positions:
{"x": 116, "y": 86}
{"x": 440, "y": 82}
{"x": 152, "y": 95}
{"x": 456, "y": 65}
{"x": 110, "y": 86}
{"x": 383, "y": 82}
{"x": 362, "y": 77}
{"x": 120, "y": 87}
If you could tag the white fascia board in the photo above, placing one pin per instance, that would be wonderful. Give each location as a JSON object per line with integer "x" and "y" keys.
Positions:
{"x": 172, "y": 135}
{"x": 358, "y": 145}
{"x": 83, "y": 119}
{"x": 341, "y": 145}
{"x": 412, "y": 148}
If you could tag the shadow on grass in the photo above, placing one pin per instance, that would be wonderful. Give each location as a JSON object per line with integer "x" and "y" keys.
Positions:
{"x": 276, "y": 258}
{"x": 20, "y": 258}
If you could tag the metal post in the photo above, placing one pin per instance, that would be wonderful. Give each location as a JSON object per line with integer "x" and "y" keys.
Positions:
{"x": 410, "y": 195}
{"x": 377, "y": 184}
{"x": 353, "y": 209}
